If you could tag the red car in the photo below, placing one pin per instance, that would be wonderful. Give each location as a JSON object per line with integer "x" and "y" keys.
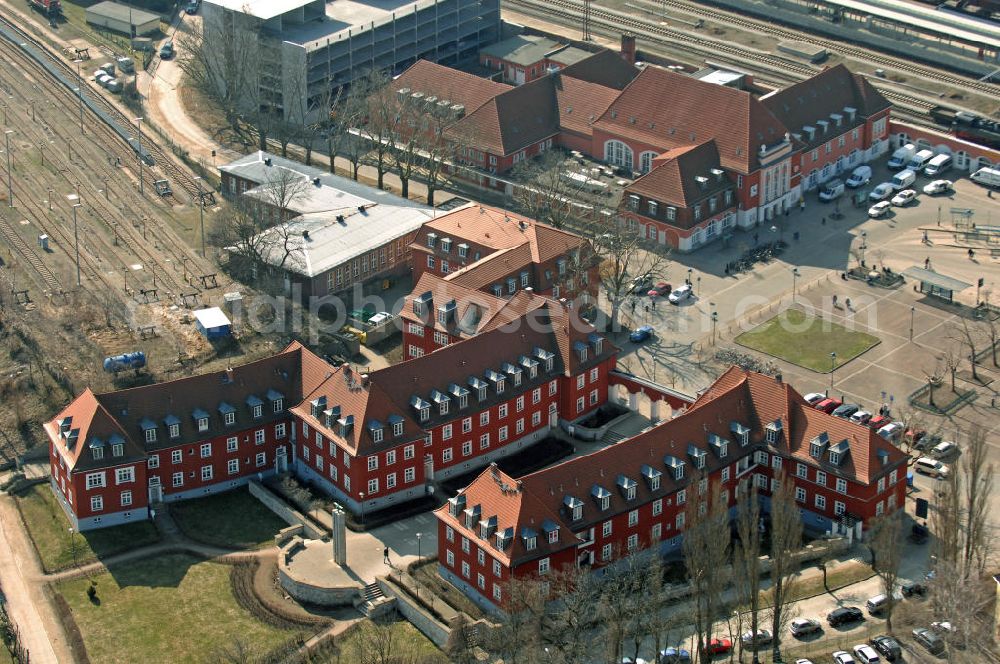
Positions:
{"x": 878, "y": 422}
{"x": 661, "y": 289}
{"x": 719, "y": 646}
{"x": 829, "y": 405}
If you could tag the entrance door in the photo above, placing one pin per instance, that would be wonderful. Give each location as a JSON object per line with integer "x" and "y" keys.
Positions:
{"x": 553, "y": 415}
{"x": 428, "y": 467}
{"x": 155, "y": 494}
{"x": 281, "y": 460}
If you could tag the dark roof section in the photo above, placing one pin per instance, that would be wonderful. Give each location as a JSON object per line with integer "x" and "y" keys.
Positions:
{"x": 455, "y": 85}
{"x": 673, "y": 178}
{"x": 511, "y": 121}
{"x": 606, "y": 68}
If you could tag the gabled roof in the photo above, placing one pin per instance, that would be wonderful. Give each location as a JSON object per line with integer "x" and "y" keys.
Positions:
{"x": 606, "y": 68}
{"x": 512, "y": 120}
{"x": 93, "y": 426}
{"x": 669, "y": 110}
{"x": 493, "y": 268}
{"x": 580, "y": 102}
{"x": 737, "y": 398}
{"x": 475, "y": 309}
{"x": 828, "y": 92}
{"x": 523, "y": 49}
{"x": 672, "y": 179}
{"x": 455, "y": 85}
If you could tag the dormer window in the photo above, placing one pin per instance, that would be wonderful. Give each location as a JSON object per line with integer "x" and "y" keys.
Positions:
{"x": 512, "y": 371}
{"x": 697, "y": 456}
{"x": 455, "y": 505}
{"x": 479, "y": 386}
{"x": 581, "y": 350}
{"x": 504, "y": 538}
{"x": 173, "y": 424}
{"x": 446, "y": 244}
{"x": 652, "y": 476}
{"x": 472, "y": 516}
{"x": 497, "y": 379}
{"x": 574, "y": 506}
{"x": 376, "y": 429}
{"x": 818, "y": 445}
{"x": 397, "y": 425}
{"x": 201, "y": 419}
{"x": 463, "y": 250}
{"x": 719, "y": 445}
{"x": 652, "y": 205}
{"x": 675, "y": 466}
{"x": 459, "y": 393}
{"x": 530, "y": 538}
{"x": 772, "y": 432}
{"x": 551, "y": 531}
{"x": 422, "y": 407}
{"x": 344, "y": 425}
{"x": 117, "y": 450}
{"x": 148, "y": 427}
{"x": 602, "y": 496}
{"x": 839, "y": 452}
{"x": 633, "y": 202}
{"x": 441, "y": 400}
{"x": 627, "y": 486}
{"x": 97, "y": 448}
{"x": 487, "y": 527}
{"x": 432, "y": 240}
{"x": 531, "y": 365}
{"x": 741, "y": 432}
{"x": 277, "y": 400}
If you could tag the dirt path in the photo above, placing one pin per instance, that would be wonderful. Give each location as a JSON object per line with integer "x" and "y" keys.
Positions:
{"x": 23, "y": 586}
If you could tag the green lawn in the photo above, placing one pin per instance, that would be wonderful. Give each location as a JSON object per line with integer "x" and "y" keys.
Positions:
{"x": 233, "y": 519}
{"x": 49, "y": 529}
{"x": 807, "y": 341}
{"x": 172, "y": 608}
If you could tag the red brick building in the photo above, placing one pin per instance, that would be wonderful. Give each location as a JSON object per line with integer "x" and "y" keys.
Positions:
{"x": 501, "y": 253}
{"x": 524, "y": 58}
{"x": 367, "y": 439}
{"x": 632, "y": 495}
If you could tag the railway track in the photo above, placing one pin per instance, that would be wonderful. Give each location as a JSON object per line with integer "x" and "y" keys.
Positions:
{"x": 178, "y": 176}
{"x": 18, "y": 244}
{"x": 876, "y": 57}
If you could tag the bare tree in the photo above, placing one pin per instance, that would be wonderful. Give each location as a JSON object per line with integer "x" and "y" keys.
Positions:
{"x": 239, "y": 651}
{"x": 567, "y": 624}
{"x": 706, "y": 553}
{"x": 786, "y": 541}
{"x": 517, "y": 638}
{"x": 376, "y": 642}
{"x": 382, "y": 124}
{"x": 952, "y": 360}
{"x": 544, "y": 193}
{"x": 459, "y": 646}
{"x": 966, "y": 335}
{"x": 992, "y": 329}
{"x": 623, "y": 254}
{"x": 620, "y": 592}
{"x": 934, "y": 380}
{"x": 886, "y": 544}
{"x": 746, "y": 559}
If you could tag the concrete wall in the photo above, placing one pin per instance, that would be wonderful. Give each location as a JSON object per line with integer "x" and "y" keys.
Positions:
{"x": 287, "y": 514}
{"x": 436, "y": 631}
{"x": 305, "y": 592}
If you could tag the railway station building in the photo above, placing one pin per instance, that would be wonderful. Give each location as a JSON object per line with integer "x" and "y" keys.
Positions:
{"x": 633, "y": 496}
{"x": 370, "y": 440}
{"x": 303, "y": 49}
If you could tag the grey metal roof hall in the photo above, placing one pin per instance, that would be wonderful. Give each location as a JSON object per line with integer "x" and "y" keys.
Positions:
{"x": 936, "y": 279}
{"x": 121, "y": 12}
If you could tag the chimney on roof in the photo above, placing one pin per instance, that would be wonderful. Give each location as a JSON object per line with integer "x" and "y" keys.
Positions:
{"x": 267, "y": 161}
{"x": 522, "y": 225}
{"x": 777, "y": 378}
{"x": 628, "y": 48}
{"x": 340, "y": 218}
{"x": 361, "y": 209}
{"x": 305, "y": 235}
{"x": 316, "y": 181}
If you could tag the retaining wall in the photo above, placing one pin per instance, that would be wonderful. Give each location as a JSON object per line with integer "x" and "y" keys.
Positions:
{"x": 436, "y": 631}
{"x": 290, "y": 516}
{"x": 305, "y": 592}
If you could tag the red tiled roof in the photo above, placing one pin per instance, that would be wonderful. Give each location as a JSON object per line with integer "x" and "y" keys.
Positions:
{"x": 454, "y": 85}
{"x": 92, "y": 423}
{"x": 672, "y": 179}
{"x": 124, "y": 411}
{"x": 668, "y": 110}
{"x": 606, "y": 68}
{"x": 512, "y": 120}
{"x": 752, "y": 400}
{"x": 493, "y": 267}
{"x": 581, "y": 102}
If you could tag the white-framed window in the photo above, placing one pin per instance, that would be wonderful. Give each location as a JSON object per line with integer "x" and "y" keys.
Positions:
{"x": 229, "y": 418}
{"x": 373, "y": 462}
{"x": 466, "y": 569}
{"x": 174, "y": 430}
{"x": 536, "y": 418}
{"x": 126, "y": 498}
{"x": 232, "y": 444}
{"x": 373, "y": 486}
{"x": 496, "y": 592}
{"x": 206, "y": 473}
{"x": 800, "y": 494}
{"x": 151, "y": 435}
{"x": 633, "y": 517}
{"x": 892, "y": 477}
{"x": 606, "y": 528}
{"x": 177, "y": 479}
{"x": 202, "y": 424}
{"x": 679, "y": 521}
{"x": 724, "y": 476}
{"x": 153, "y": 461}
{"x": 390, "y": 481}
{"x": 841, "y": 485}
{"x": 553, "y": 386}
{"x": 519, "y": 426}
{"x": 657, "y": 506}
{"x": 408, "y": 452}
{"x": 801, "y": 470}
{"x": 543, "y": 566}
{"x": 446, "y": 432}
{"x": 606, "y": 553}
{"x": 536, "y": 395}
{"x": 124, "y": 475}
{"x": 96, "y": 503}
{"x": 580, "y": 405}
{"x": 261, "y": 459}
{"x": 95, "y": 480}
{"x": 581, "y": 380}
{"x": 484, "y": 441}
{"x": 446, "y": 455}
{"x": 820, "y": 501}
{"x": 279, "y": 430}
{"x": 502, "y": 434}
{"x": 467, "y": 448}
{"x": 206, "y": 450}
{"x": 632, "y": 543}
{"x": 839, "y": 508}
{"x": 233, "y": 466}
{"x": 881, "y": 484}
{"x": 450, "y": 557}
{"x": 409, "y": 474}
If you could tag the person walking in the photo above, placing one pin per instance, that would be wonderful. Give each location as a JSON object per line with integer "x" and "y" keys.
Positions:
{"x": 385, "y": 556}
{"x": 927, "y": 263}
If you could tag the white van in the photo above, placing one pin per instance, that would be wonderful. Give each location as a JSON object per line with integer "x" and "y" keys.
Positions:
{"x": 877, "y": 604}
{"x": 937, "y": 165}
{"x": 920, "y": 160}
{"x": 932, "y": 467}
{"x": 903, "y": 179}
{"x": 988, "y": 177}
{"x": 831, "y": 190}
{"x": 902, "y": 155}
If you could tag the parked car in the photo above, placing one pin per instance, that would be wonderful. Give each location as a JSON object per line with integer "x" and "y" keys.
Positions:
{"x": 641, "y": 334}
{"x": 167, "y": 51}
{"x": 805, "y": 626}
{"x": 938, "y": 187}
{"x": 904, "y": 197}
{"x": 891, "y": 431}
{"x": 879, "y": 210}
{"x": 861, "y": 417}
{"x": 763, "y": 638}
{"x": 926, "y": 442}
{"x": 918, "y": 535}
{"x": 828, "y": 405}
{"x": 641, "y": 284}
{"x": 845, "y": 615}
{"x": 681, "y": 294}
{"x": 845, "y": 411}
{"x": 931, "y": 467}
{"x": 942, "y": 627}
{"x": 675, "y": 656}
{"x": 888, "y": 646}
{"x": 719, "y": 646}
{"x": 860, "y": 176}
{"x": 814, "y": 398}
{"x": 843, "y": 657}
{"x": 803, "y": 661}
{"x": 877, "y": 604}
{"x": 913, "y": 589}
{"x": 662, "y": 288}
{"x": 933, "y": 643}
{"x": 878, "y": 421}
{"x": 944, "y": 449}
{"x": 192, "y": 7}
{"x": 881, "y": 192}
{"x": 865, "y": 654}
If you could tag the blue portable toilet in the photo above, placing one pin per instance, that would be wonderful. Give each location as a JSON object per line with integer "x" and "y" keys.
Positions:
{"x": 213, "y": 323}
{"x": 909, "y": 480}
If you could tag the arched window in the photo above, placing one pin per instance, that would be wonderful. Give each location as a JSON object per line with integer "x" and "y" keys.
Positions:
{"x": 984, "y": 162}
{"x": 646, "y": 161}
{"x": 617, "y": 153}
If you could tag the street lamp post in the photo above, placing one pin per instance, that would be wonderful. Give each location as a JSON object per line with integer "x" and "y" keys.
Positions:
{"x": 418, "y": 548}
{"x": 138, "y": 122}
{"x": 72, "y": 545}
{"x": 689, "y": 276}
{"x": 201, "y": 211}
{"x": 912, "y": 310}
{"x": 715, "y": 319}
{"x": 79, "y": 82}
{"x": 10, "y": 182}
{"x": 795, "y": 276}
{"x": 864, "y": 245}
{"x": 74, "y": 200}
{"x": 833, "y": 365}
{"x": 362, "y": 509}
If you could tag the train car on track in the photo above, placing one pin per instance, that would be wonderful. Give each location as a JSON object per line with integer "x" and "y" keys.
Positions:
{"x": 968, "y": 126}
{"x": 47, "y": 7}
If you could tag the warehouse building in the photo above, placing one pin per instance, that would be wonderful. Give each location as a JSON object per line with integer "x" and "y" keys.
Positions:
{"x": 123, "y": 18}
{"x": 304, "y": 48}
